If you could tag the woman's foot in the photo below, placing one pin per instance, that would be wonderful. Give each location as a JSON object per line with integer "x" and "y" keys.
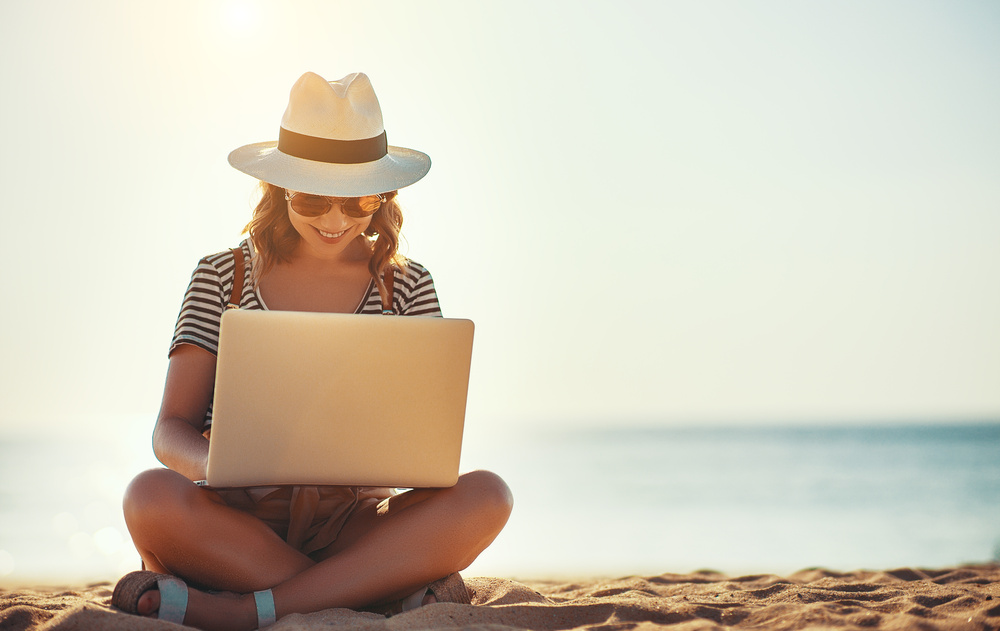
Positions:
{"x": 140, "y": 593}
{"x": 450, "y": 589}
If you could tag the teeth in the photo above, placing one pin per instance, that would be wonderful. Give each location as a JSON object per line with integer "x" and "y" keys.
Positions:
{"x": 331, "y": 235}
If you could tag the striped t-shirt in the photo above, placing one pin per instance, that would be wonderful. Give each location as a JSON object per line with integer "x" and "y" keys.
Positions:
{"x": 212, "y": 284}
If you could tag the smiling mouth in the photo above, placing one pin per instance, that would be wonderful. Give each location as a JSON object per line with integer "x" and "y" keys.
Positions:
{"x": 331, "y": 235}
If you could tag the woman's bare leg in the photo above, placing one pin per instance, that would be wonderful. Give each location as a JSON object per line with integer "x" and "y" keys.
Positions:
{"x": 383, "y": 554}
{"x": 413, "y": 539}
{"x": 181, "y": 529}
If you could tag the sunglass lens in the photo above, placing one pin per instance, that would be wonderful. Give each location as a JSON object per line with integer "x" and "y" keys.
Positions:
{"x": 365, "y": 205}
{"x": 310, "y": 205}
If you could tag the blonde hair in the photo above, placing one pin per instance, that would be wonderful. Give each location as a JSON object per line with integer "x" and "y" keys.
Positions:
{"x": 274, "y": 237}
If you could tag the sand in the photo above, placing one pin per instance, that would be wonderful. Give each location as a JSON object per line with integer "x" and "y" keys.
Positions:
{"x": 957, "y": 598}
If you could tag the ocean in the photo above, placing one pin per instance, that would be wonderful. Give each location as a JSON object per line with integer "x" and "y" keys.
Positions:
{"x": 595, "y": 502}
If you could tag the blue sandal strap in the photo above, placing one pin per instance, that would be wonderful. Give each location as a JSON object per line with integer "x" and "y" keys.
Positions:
{"x": 414, "y": 600}
{"x": 265, "y": 608}
{"x": 173, "y": 599}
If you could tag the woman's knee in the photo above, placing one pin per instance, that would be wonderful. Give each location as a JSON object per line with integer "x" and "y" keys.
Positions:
{"x": 156, "y": 494}
{"x": 490, "y": 493}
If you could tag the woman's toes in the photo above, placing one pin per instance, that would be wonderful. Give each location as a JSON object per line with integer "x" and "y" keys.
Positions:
{"x": 149, "y": 603}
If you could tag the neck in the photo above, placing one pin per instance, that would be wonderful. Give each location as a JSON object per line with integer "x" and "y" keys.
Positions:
{"x": 358, "y": 251}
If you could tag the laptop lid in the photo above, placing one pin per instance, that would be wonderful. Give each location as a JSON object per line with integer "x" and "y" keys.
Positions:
{"x": 342, "y": 399}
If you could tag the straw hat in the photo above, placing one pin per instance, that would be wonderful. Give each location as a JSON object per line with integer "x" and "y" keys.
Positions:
{"x": 332, "y": 142}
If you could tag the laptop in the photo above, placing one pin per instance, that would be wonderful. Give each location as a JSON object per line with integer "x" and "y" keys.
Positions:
{"x": 341, "y": 399}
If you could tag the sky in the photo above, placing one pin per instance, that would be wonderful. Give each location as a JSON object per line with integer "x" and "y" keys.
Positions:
{"x": 655, "y": 212}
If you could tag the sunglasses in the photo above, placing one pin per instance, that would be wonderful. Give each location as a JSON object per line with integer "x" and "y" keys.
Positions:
{"x": 317, "y": 205}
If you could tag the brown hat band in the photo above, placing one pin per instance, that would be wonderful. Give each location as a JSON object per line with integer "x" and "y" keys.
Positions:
{"x": 332, "y": 151}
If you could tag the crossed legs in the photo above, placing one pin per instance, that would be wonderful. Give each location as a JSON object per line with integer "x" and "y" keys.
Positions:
{"x": 383, "y": 553}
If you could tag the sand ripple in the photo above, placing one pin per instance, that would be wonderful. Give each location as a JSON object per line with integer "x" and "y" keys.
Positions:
{"x": 904, "y": 598}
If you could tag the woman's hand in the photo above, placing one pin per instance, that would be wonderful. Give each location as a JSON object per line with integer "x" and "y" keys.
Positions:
{"x": 177, "y": 438}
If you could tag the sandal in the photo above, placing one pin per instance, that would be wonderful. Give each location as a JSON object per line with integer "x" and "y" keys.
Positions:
{"x": 450, "y": 589}
{"x": 174, "y": 597}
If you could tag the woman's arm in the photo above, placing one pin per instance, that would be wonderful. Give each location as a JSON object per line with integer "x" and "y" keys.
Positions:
{"x": 177, "y": 438}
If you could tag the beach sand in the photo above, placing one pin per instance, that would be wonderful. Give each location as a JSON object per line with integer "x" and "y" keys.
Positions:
{"x": 958, "y": 598}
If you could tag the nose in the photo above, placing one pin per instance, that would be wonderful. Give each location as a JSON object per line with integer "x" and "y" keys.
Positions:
{"x": 335, "y": 217}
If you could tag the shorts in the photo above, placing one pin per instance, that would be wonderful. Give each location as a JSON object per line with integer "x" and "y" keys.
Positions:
{"x": 309, "y": 518}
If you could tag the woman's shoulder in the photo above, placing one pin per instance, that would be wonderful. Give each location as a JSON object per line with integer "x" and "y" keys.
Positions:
{"x": 222, "y": 262}
{"x": 415, "y": 291}
{"x": 414, "y": 278}
{"x": 413, "y": 270}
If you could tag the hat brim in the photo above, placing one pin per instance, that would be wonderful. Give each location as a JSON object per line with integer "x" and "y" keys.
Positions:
{"x": 399, "y": 168}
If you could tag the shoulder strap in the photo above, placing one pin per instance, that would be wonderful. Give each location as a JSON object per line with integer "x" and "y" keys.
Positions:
{"x": 237, "y": 295}
{"x": 387, "y": 279}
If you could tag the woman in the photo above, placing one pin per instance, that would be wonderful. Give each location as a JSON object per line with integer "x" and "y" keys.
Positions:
{"x": 323, "y": 238}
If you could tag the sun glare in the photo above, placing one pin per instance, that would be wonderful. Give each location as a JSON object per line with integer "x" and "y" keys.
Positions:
{"x": 240, "y": 17}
